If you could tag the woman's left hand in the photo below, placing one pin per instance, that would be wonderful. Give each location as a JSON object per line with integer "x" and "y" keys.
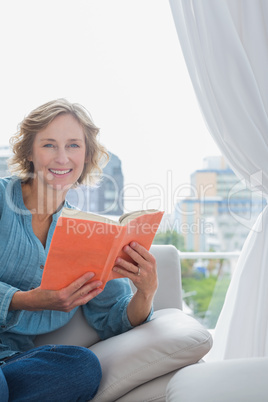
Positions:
{"x": 142, "y": 272}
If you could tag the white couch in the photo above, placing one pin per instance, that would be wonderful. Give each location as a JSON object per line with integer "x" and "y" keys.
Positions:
{"x": 138, "y": 364}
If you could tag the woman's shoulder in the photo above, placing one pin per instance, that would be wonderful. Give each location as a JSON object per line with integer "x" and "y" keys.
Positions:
{"x": 7, "y": 188}
{"x": 6, "y": 182}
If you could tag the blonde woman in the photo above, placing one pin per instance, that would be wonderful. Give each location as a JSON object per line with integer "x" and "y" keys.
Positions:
{"x": 55, "y": 149}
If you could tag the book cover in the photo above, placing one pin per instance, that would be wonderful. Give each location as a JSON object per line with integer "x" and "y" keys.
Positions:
{"x": 83, "y": 242}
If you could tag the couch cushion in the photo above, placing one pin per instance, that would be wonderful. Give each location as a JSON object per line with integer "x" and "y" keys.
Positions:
{"x": 229, "y": 380}
{"x": 170, "y": 341}
{"x": 75, "y": 332}
{"x": 151, "y": 391}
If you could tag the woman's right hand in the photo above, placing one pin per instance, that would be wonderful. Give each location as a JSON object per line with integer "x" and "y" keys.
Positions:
{"x": 76, "y": 294}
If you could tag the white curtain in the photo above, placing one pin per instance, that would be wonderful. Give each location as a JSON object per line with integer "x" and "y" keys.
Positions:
{"x": 225, "y": 45}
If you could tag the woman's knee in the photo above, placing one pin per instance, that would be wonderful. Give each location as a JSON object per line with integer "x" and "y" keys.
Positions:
{"x": 88, "y": 362}
{"x": 86, "y": 372}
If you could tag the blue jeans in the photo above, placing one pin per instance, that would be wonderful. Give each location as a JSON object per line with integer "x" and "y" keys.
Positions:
{"x": 51, "y": 373}
{"x": 3, "y": 388}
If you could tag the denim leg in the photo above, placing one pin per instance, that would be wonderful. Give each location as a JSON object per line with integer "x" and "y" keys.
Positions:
{"x": 53, "y": 373}
{"x": 3, "y": 388}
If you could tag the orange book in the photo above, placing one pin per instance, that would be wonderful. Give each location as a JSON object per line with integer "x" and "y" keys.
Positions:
{"x": 84, "y": 242}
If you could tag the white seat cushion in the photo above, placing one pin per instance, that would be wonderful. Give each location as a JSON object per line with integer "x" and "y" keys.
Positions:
{"x": 242, "y": 380}
{"x": 170, "y": 341}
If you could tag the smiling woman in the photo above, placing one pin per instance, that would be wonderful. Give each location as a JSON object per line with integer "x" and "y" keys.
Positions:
{"x": 56, "y": 148}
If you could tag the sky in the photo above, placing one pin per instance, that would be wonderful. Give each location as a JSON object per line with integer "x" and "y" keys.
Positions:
{"x": 122, "y": 60}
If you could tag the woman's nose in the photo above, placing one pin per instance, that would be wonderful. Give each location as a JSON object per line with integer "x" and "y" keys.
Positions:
{"x": 62, "y": 156}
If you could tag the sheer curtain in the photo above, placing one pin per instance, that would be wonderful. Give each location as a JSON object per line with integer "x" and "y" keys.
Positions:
{"x": 225, "y": 45}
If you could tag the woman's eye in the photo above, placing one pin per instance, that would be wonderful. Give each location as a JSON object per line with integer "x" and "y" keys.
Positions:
{"x": 74, "y": 146}
{"x": 48, "y": 145}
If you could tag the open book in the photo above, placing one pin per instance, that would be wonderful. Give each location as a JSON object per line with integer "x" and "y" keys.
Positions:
{"x": 84, "y": 242}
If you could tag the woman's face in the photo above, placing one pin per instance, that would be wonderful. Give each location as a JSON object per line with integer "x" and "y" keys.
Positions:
{"x": 58, "y": 153}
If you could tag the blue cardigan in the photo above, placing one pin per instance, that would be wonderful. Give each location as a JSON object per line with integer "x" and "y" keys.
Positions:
{"x": 22, "y": 259}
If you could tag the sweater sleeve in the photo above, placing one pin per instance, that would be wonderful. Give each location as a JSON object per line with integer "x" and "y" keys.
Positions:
{"x": 107, "y": 313}
{"x": 7, "y": 291}
{"x": 7, "y": 318}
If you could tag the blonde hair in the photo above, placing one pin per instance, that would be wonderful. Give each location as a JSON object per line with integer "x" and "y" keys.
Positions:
{"x": 22, "y": 142}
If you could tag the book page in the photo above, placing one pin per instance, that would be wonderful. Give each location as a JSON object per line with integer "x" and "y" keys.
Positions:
{"x": 76, "y": 214}
{"x": 125, "y": 218}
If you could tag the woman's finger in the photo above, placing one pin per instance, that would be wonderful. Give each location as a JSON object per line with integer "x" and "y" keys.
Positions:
{"x": 77, "y": 293}
{"x": 124, "y": 267}
{"x": 87, "y": 294}
{"x": 83, "y": 290}
{"x": 142, "y": 251}
{"x": 78, "y": 283}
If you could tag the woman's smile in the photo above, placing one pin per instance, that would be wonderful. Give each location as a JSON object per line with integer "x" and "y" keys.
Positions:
{"x": 60, "y": 172}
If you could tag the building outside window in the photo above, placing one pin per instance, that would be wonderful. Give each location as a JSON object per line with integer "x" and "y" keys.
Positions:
{"x": 216, "y": 217}
{"x": 4, "y": 156}
{"x": 219, "y": 213}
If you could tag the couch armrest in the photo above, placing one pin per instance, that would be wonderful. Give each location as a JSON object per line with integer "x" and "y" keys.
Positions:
{"x": 171, "y": 340}
{"x": 169, "y": 292}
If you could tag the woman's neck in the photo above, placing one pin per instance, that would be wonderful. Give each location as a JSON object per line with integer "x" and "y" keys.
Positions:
{"x": 40, "y": 199}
